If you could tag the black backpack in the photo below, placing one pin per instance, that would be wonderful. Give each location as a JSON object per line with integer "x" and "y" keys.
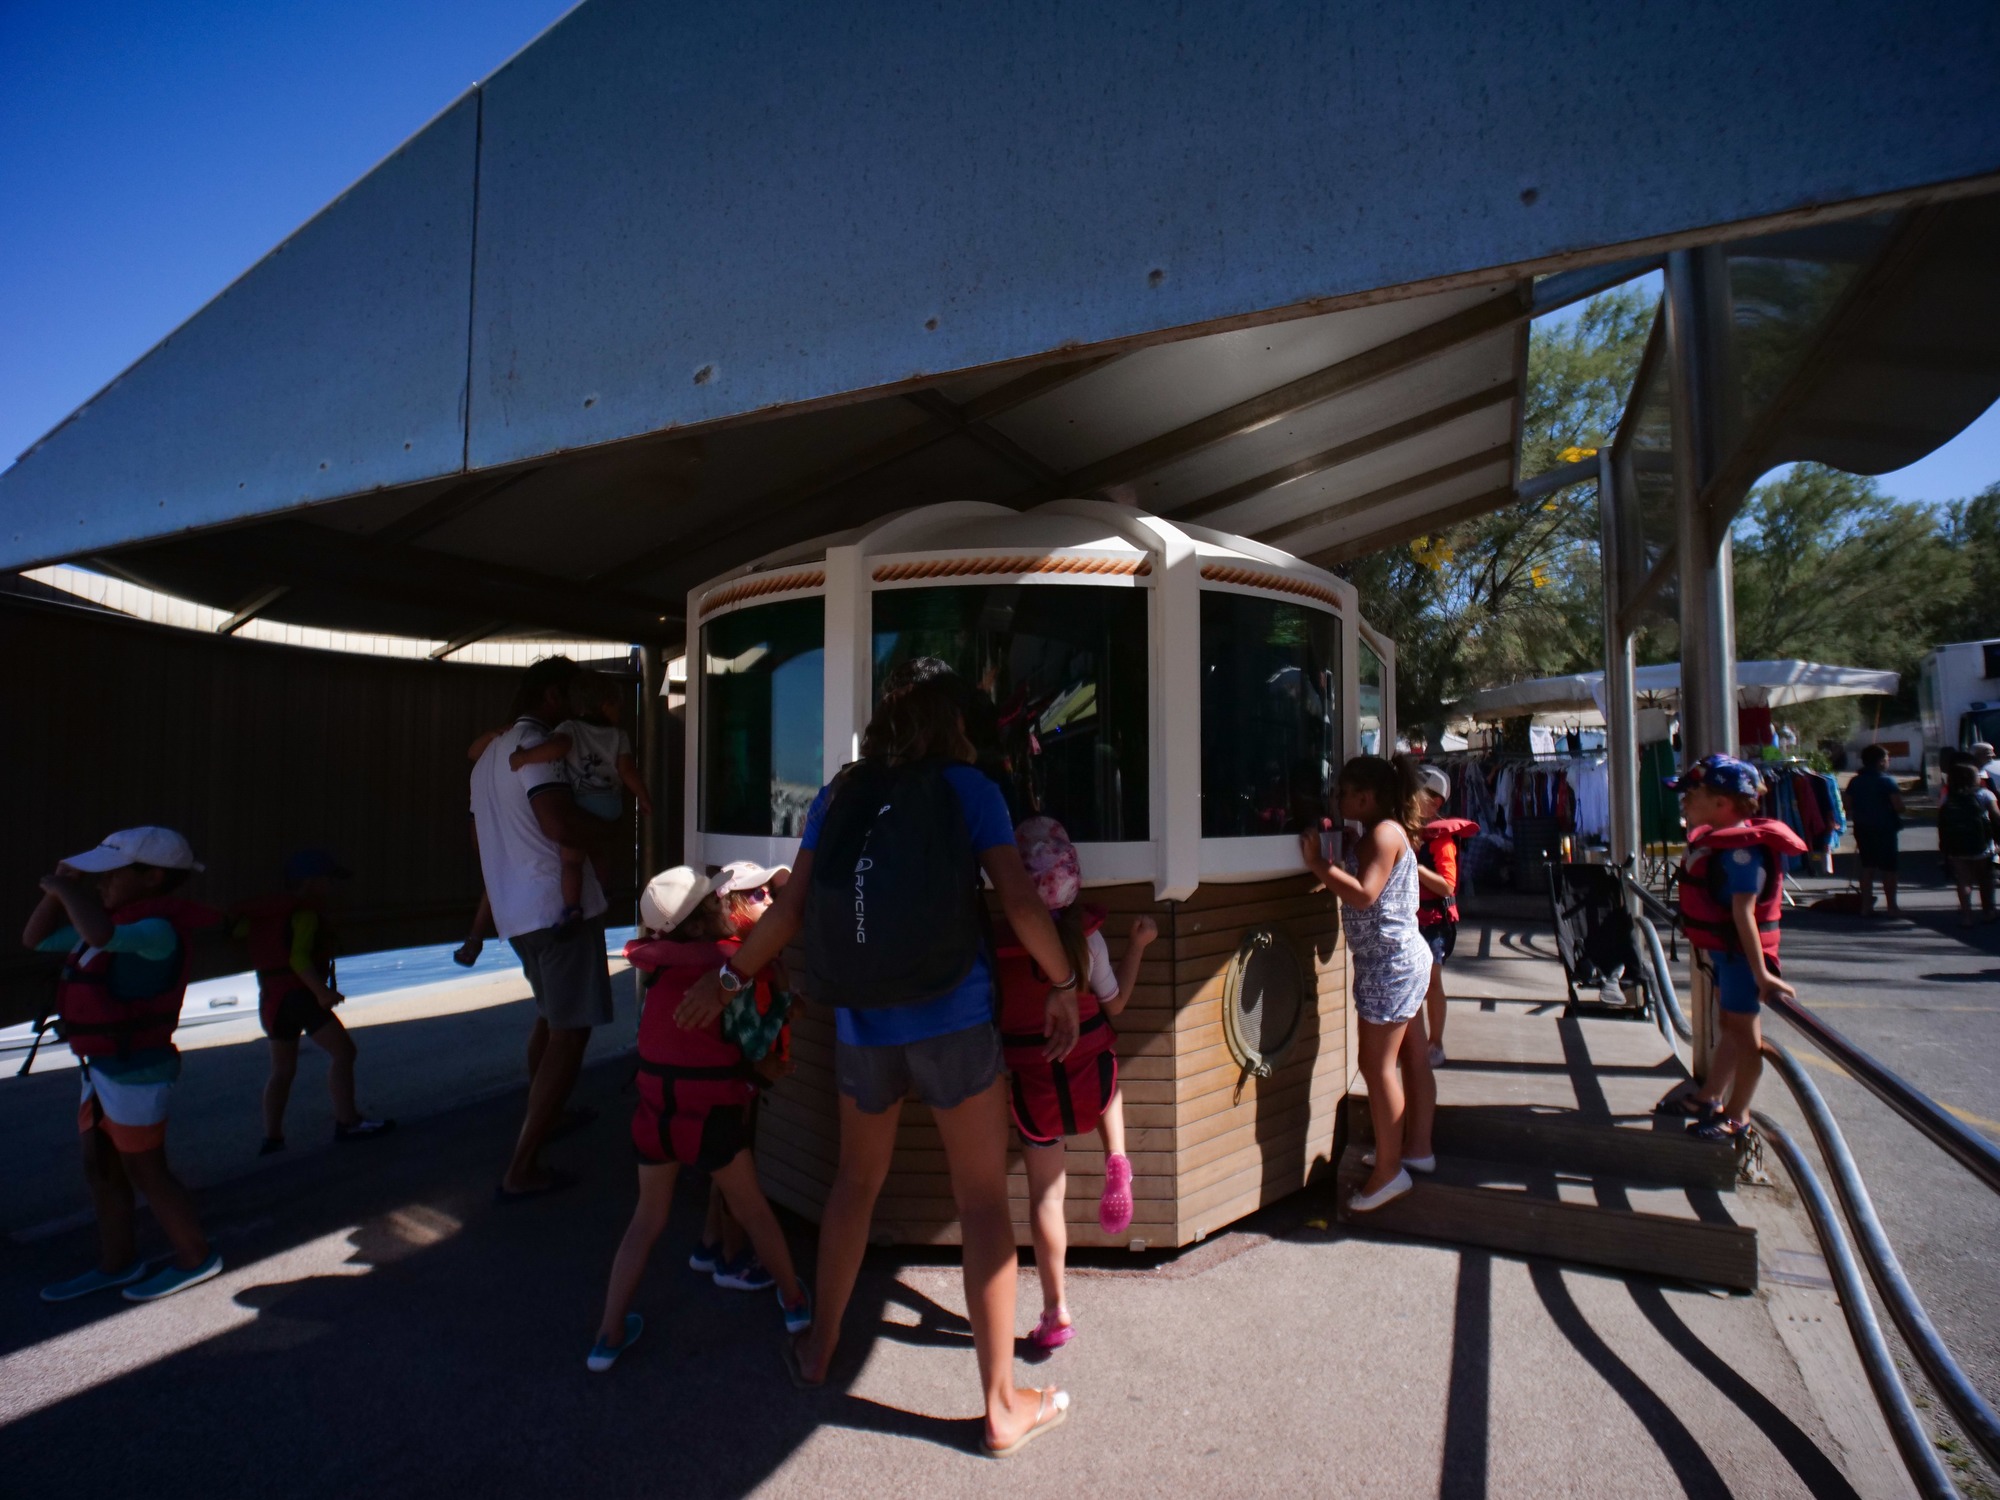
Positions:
{"x": 1963, "y": 826}
{"x": 894, "y": 915}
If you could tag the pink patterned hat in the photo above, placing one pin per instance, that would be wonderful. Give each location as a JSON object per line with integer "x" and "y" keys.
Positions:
{"x": 1051, "y": 861}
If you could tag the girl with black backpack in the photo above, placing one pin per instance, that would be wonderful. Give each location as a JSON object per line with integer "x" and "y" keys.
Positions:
{"x": 886, "y": 890}
{"x": 1966, "y": 822}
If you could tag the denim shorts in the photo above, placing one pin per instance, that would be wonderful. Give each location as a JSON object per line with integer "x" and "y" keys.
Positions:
{"x": 1735, "y": 987}
{"x": 943, "y": 1071}
{"x": 1443, "y": 938}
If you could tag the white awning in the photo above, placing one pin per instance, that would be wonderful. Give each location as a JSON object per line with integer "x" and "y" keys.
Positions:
{"x": 1767, "y": 684}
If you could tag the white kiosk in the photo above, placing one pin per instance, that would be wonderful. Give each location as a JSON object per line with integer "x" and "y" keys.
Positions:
{"x": 1181, "y": 700}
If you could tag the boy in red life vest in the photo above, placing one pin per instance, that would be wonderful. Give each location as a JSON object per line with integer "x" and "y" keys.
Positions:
{"x": 128, "y": 939}
{"x": 695, "y": 1088}
{"x": 1731, "y": 895}
{"x": 1054, "y": 1097}
{"x": 1437, "y": 879}
{"x": 291, "y": 948}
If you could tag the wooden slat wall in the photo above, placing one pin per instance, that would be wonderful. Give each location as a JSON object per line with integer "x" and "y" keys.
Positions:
{"x": 1201, "y": 1155}
{"x": 250, "y": 749}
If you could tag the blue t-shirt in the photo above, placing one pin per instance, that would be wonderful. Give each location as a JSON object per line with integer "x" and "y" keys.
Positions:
{"x": 1867, "y": 798}
{"x": 971, "y": 1004}
{"x": 1742, "y": 871}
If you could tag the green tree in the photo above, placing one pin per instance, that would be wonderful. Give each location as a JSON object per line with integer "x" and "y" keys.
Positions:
{"x": 1972, "y": 531}
{"x": 1515, "y": 593}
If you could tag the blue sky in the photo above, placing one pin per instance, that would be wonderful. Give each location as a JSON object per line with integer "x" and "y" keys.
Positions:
{"x": 149, "y": 153}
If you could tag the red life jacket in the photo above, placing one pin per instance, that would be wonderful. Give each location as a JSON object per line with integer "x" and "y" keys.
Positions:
{"x": 683, "y": 1070}
{"x": 97, "y": 1023}
{"x": 1024, "y": 996}
{"x": 1704, "y": 888}
{"x": 268, "y": 935}
{"x": 1434, "y": 909}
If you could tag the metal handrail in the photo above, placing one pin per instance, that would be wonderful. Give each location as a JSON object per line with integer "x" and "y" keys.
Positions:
{"x": 1919, "y": 1455}
{"x": 1972, "y": 1151}
{"x": 1974, "y": 1414}
{"x": 1670, "y": 1001}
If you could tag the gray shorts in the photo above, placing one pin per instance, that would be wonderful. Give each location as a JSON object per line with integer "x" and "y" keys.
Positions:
{"x": 570, "y": 976}
{"x": 944, "y": 1071}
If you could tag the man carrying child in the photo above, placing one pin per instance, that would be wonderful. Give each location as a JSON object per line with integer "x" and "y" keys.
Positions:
{"x": 523, "y": 819}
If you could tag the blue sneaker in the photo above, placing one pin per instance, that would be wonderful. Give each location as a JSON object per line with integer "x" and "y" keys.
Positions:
{"x": 92, "y": 1281}
{"x": 706, "y": 1258}
{"x": 603, "y": 1356}
{"x": 172, "y": 1278}
{"x": 747, "y": 1275}
{"x": 798, "y": 1319}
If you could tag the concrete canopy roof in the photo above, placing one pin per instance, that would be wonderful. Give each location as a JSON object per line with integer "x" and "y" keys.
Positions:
{"x": 681, "y": 285}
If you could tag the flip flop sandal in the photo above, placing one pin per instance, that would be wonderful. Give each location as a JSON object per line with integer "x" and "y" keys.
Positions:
{"x": 796, "y": 1370}
{"x": 558, "y": 1182}
{"x": 1051, "y": 1333}
{"x": 1050, "y": 1411}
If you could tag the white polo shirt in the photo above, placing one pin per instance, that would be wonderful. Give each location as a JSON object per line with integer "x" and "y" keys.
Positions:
{"x": 521, "y": 864}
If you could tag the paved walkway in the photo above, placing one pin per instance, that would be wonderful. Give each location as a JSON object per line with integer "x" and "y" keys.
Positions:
{"x": 385, "y": 1328}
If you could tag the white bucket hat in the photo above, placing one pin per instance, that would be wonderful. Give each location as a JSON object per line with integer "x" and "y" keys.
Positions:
{"x": 671, "y": 896}
{"x": 161, "y": 848}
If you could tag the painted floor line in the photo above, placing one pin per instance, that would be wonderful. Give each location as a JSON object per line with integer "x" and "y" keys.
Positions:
{"x": 1977, "y": 1122}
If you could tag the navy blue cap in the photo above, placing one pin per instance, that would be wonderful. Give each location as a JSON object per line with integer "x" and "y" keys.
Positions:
{"x": 1719, "y": 773}
{"x": 309, "y": 864}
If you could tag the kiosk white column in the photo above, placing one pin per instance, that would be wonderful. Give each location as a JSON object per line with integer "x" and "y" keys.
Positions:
{"x": 1176, "y": 713}
{"x": 847, "y": 662}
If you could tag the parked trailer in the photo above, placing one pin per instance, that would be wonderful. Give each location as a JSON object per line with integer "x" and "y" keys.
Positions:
{"x": 1958, "y": 699}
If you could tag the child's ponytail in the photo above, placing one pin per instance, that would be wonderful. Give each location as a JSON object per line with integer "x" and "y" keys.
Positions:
{"x": 1395, "y": 785}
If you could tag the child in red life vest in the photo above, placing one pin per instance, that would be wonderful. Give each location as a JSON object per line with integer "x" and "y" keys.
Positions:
{"x": 1052, "y": 1099}
{"x": 745, "y": 891}
{"x": 291, "y": 948}
{"x": 1731, "y": 896}
{"x": 695, "y": 1087}
{"x": 128, "y": 939}
{"x": 1437, "y": 882}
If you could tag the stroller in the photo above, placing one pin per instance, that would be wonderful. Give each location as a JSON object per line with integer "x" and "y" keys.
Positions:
{"x": 1599, "y": 943}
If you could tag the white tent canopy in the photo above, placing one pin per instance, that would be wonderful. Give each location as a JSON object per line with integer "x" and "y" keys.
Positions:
{"x": 1767, "y": 684}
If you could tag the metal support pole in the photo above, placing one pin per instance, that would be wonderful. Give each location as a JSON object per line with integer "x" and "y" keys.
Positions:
{"x": 1696, "y": 293}
{"x": 1621, "y": 726}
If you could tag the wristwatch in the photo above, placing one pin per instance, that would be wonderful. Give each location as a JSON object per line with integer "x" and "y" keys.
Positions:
{"x": 732, "y": 982}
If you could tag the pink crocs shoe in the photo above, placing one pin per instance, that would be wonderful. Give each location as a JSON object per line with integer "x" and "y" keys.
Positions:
{"x": 1052, "y": 1332}
{"x": 1114, "y": 1209}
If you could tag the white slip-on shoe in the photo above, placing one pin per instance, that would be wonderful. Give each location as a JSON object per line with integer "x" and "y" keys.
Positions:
{"x": 1413, "y": 1163}
{"x": 1394, "y": 1188}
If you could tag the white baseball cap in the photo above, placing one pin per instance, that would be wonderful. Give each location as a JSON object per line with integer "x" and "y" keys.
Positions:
{"x": 1435, "y": 780}
{"x": 742, "y": 875}
{"x": 671, "y": 896}
{"x": 160, "y": 847}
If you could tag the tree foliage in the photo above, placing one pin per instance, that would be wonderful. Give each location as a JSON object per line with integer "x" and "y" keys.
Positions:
{"x": 1828, "y": 567}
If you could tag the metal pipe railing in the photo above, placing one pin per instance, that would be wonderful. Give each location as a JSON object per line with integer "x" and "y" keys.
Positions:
{"x": 1972, "y": 1151}
{"x": 1670, "y": 1001}
{"x": 1919, "y": 1454}
{"x": 1974, "y": 1414}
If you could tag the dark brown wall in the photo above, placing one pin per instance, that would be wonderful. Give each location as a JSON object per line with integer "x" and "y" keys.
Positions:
{"x": 252, "y": 751}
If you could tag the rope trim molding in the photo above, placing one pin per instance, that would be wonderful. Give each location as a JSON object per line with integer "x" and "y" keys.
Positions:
{"x": 757, "y": 588}
{"x": 963, "y": 567}
{"x": 1276, "y": 582}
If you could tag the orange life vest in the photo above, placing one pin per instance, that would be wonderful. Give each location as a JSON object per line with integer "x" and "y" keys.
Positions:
{"x": 268, "y": 935}
{"x": 1704, "y": 887}
{"x": 1432, "y": 910}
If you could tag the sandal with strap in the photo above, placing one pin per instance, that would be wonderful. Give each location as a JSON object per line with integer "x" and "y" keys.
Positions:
{"x": 1721, "y": 1128}
{"x": 1050, "y": 1411}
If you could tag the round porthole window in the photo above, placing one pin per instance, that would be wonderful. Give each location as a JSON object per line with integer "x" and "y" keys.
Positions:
{"x": 1263, "y": 1000}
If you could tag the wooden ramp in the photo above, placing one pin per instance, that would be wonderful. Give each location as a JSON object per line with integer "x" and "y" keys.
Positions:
{"x": 1527, "y": 1180}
